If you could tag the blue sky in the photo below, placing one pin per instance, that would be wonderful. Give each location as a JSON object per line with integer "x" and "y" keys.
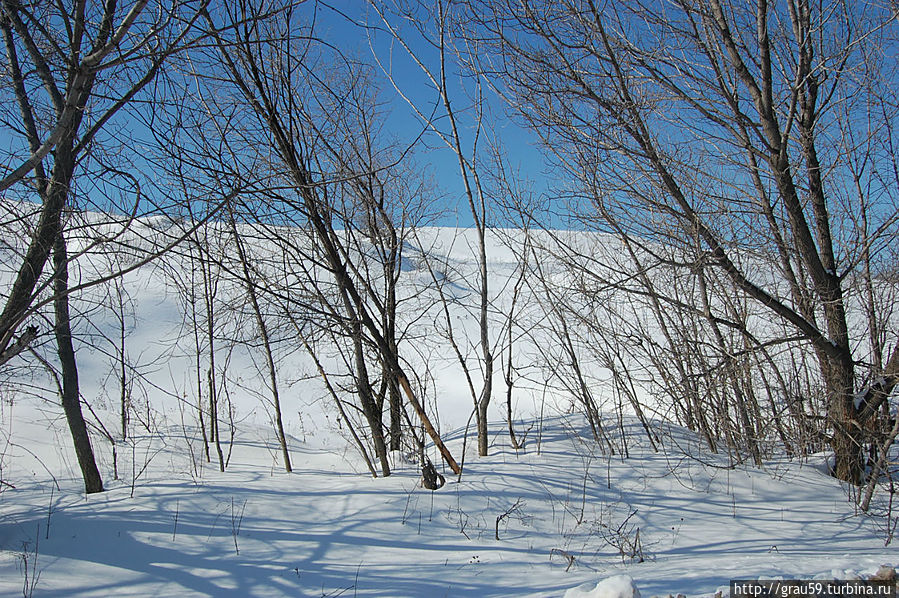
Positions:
{"x": 343, "y": 22}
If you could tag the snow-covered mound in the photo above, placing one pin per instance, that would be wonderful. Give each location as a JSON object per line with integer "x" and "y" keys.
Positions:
{"x": 618, "y": 586}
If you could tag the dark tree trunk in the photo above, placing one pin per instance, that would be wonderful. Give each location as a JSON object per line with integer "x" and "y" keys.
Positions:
{"x": 396, "y": 414}
{"x": 848, "y": 438}
{"x": 71, "y": 402}
{"x": 395, "y": 399}
{"x": 367, "y": 398}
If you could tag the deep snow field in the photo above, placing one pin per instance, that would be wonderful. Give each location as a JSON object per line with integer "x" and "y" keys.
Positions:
{"x": 533, "y": 522}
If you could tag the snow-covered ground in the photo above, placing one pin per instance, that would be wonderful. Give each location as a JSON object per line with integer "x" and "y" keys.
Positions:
{"x": 564, "y": 515}
{"x": 538, "y": 521}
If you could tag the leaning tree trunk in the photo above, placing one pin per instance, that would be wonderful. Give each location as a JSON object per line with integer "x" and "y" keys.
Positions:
{"x": 71, "y": 402}
{"x": 266, "y": 344}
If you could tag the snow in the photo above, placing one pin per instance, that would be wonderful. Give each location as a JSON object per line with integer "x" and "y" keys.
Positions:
{"x": 329, "y": 529}
{"x": 580, "y": 521}
{"x": 618, "y": 586}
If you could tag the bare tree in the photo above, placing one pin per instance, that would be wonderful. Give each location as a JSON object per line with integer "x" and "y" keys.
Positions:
{"x": 67, "y": 82}
{"x": 72, "y": 69}
{"x": 306, "y": 114}
{"x": 433, "y": 24}
{"x": 250, "y": 279}
{"x": 706, "y": 127}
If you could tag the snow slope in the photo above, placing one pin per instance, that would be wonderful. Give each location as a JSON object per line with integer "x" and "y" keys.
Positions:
{"x": 533, "y": 522}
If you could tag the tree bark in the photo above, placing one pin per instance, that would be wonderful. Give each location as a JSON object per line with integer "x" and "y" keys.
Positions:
{"x": 71, "y": 398}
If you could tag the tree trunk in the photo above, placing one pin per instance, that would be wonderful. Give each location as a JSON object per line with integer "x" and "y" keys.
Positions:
{"x": 266, "y": 344}
{"x": 394, "y": 398}
{"x": 510, "y": 383}
{"x": 396, "y": 413}
{"x": 483, "y": 439}
{"x": 208, "y": 288}
{"x": 370, "y": 408}
{"x": 486, "y": 351}
{"x": 71, "y": 401}
{"x": 123, "y": 364}
{"x": 848, "y": 436}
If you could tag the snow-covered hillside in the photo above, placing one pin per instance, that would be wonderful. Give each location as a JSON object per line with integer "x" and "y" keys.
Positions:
{"x": 559, "y": 512}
